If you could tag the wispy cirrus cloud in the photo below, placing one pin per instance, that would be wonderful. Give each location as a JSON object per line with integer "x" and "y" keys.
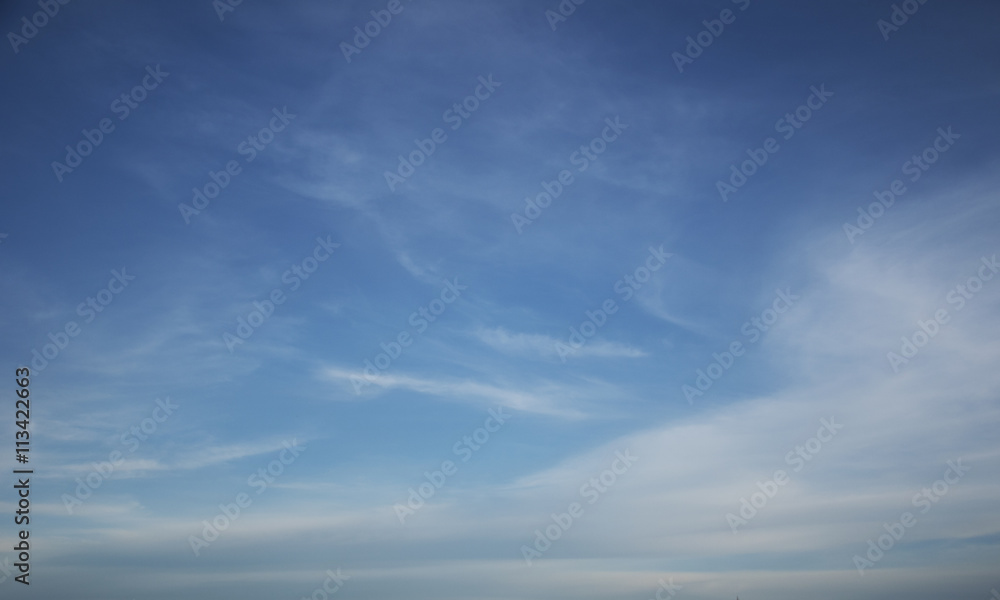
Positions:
{"x": 543, "y": 346}
{"x": 546, "y": 399}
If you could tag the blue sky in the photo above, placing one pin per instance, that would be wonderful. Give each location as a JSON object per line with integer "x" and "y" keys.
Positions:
{"x": 357, "y": 337}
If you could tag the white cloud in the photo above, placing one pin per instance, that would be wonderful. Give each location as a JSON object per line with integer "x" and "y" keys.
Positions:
{"x": 542, "y": 400}
{"x": 520, "y": 344}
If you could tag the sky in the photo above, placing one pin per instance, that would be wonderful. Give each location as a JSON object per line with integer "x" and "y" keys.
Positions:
{"x": 485, "y": 300}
